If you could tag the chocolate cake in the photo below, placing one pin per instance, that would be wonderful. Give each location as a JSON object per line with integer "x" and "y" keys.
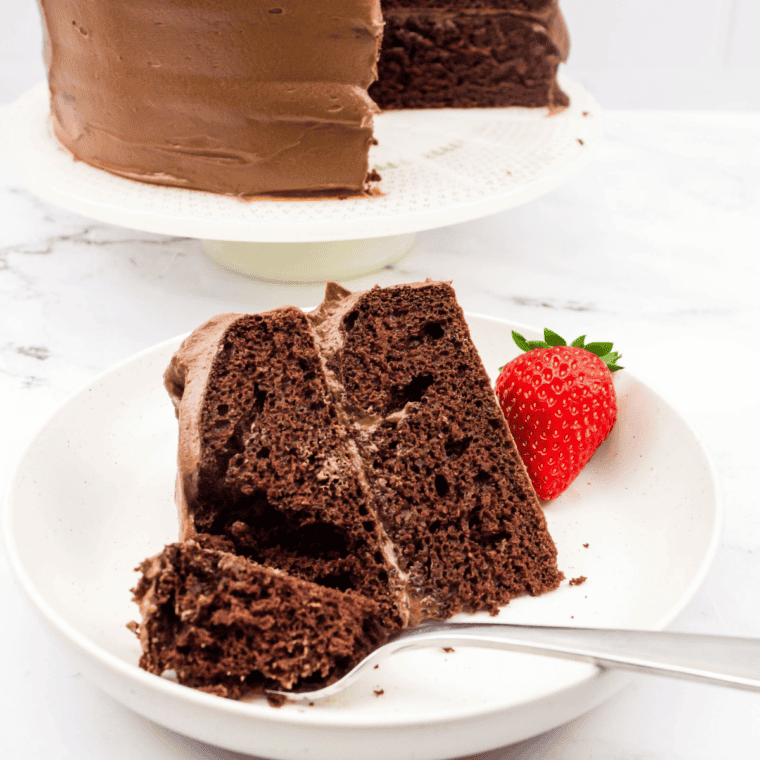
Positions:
{"x": 252, "y": 98}
{"x": 357, "y": 450}
{"x": 471, "y": 53}
{"x": 243, "y": 97}
{"x": 225, "y": 625}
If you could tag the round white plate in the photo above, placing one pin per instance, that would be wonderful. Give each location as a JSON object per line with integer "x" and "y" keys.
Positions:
{"x": 92, "y": 497}
{"x": 439, "y": 167}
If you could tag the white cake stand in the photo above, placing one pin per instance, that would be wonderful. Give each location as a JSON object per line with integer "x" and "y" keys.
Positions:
{"x": 439, "y": 167}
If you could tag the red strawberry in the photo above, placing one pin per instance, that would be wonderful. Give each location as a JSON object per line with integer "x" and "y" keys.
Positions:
{"x": 559, "y": 402}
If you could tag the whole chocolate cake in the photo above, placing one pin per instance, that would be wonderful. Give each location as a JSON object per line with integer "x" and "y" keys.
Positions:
{"x": 359, "y": 448}
{"x": 253, "y": 98}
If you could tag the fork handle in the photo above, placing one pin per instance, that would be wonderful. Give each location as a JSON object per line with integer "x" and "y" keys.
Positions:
{"x": 722, "y": 660}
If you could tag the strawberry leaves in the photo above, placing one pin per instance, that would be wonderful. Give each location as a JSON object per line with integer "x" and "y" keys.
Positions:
{"x": 551, "y": 340}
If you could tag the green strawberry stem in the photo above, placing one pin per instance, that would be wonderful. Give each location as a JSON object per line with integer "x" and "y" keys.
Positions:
{"x": 602, "y": 350}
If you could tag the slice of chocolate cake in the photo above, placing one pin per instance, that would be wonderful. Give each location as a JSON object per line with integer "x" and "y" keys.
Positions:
{"x": 360, "y": 449}
{"x": 226, "y": 625}
{"x": 449, "y": 487}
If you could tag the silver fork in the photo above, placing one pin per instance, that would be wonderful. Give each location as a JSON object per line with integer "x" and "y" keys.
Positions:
{"x": 722, "y": 660}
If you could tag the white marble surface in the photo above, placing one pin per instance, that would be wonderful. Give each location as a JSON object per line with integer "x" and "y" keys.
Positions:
{"x": 656, "y": 245}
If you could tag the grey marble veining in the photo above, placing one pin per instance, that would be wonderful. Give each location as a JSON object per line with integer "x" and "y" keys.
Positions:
{"x": 655, "y": 245}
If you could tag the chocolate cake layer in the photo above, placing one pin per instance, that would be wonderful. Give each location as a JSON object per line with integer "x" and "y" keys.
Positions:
{"x": 484, "y": 53}
{"x": 225, "y": 625}
{"x": 243, "y": 97}
{"x": 450, "y": 489}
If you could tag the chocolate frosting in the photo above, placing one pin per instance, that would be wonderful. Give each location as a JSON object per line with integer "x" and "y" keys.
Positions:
{"x": 243, "y": 97}
{"x": 185, "y": 380}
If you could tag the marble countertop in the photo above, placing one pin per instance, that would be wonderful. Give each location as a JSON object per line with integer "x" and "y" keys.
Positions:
{"x": 655, "y": 245}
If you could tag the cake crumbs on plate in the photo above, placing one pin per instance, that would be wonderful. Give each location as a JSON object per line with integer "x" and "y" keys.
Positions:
{"x": 577, "y": 581}
{"x": 378, "y": 692}
{"x": 276, "y": 700}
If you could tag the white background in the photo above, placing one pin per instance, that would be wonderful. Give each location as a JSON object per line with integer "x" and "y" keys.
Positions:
{"x": 686, "y": 54}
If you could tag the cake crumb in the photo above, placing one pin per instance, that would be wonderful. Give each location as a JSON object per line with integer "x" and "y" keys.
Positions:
{"x": 379, "y": 692}
{"x": 585, "y": 546}
{"x": 376, "y": 666}
{"x": 448, "y": 649}
{"x": 577, "y": 581}
{"x": 580, "y": 141}
{"x": 276, "y": 700}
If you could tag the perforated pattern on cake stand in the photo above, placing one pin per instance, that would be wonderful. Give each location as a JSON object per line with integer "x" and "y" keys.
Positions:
{"x": 439, "y": 167}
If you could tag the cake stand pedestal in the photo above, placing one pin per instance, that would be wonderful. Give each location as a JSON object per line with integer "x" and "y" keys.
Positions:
{"x": 303, "y": 262}
{"x": 438, "y": 167}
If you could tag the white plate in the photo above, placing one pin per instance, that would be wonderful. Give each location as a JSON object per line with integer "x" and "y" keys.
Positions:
{"x": 439, "y": 167}
{"x": 92, "y": 497}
